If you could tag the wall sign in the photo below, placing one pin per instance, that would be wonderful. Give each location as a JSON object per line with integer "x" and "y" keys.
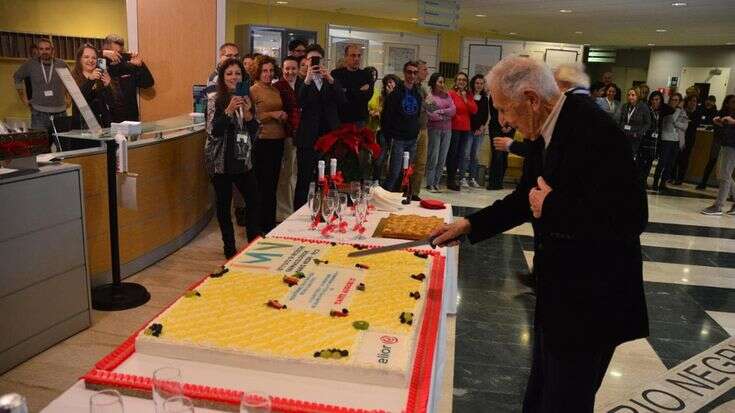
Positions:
{"x": 439, "y": 14}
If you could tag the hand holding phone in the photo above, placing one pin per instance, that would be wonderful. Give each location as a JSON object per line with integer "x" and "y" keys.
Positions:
{"x": 102, "y": 64}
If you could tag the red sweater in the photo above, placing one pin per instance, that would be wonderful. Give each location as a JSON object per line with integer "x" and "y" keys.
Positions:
{"x": 461, "y": 119}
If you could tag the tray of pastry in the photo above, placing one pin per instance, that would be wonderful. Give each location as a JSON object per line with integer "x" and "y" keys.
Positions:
{"x": 408, "y": 227}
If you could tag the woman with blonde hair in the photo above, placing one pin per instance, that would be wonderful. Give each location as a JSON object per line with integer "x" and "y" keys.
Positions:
{"x": 634, "y": 119}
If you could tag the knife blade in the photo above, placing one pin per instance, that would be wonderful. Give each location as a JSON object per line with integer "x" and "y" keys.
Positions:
{"x": 394, "y": 247}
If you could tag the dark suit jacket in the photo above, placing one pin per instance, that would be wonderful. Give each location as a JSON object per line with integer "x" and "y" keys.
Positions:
{"x": 319, "y": 113}
{"x": 588, "y": 260}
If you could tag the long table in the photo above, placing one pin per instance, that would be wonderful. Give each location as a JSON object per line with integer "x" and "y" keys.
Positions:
{"x": 76, "y": 398}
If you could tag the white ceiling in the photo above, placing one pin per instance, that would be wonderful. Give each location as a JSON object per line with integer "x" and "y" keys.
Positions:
{"x": 602, "y": 22}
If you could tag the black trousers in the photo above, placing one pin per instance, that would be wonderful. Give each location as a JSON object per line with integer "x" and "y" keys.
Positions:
{"x": 267, "y": 157}
{"x": 564, "y": 382}
{"x": 306, "y": 161}
{"x": 714, "y": 153}
{"x": 248, "y": 187}
{"x": 667, "y": 152}
{"x": 682, "y": 161}
{"x": 498, "y": 166}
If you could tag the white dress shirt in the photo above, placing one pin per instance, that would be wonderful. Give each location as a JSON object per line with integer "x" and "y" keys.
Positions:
{"x": 547, "y": 130}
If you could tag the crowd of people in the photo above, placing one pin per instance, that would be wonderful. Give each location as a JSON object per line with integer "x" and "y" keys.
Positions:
{"x": 110, "y": 89}
{"x": 261, "y": 140}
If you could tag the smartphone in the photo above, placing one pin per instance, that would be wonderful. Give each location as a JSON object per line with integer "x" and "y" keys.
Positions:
{"x": 102, "y": 64}
{"x": 316, "y": 60}
{"x": 243, "y": 88}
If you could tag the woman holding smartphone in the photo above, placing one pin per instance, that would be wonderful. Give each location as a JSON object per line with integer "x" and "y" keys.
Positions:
{"x": 270, "y": 112}
{"x": 231, "y": 131}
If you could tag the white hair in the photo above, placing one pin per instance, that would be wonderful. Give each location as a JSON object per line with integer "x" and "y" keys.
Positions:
{"x": 572, "y": 74}
{"x": 515, "y": 75}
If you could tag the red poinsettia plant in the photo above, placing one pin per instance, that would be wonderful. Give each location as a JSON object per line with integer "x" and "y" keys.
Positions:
{"x": 354, "y": 148}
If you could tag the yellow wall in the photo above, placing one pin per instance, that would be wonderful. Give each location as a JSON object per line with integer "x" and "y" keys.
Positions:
{"x": 93, "y": 18}
{"x": 238, "y": 12}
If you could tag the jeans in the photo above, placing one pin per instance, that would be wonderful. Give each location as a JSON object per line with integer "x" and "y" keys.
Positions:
{"x": 267, "y": 156}
{"x": 666, "y": 158}
{"x": 396, "y": 161}
{"x": 41, "y": 120}
{"x": 248, "y": 187}
{"x": 438, "y": 147}
{"x": 455, "y": 156}
{"x": 379, "y": 164}
{"x": 469, "y": 163}
{"x": 724, "y": 175}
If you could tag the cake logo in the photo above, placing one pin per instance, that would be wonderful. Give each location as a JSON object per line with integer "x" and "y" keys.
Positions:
{"x": 276, "y": 256}
{"x": 388, "y": 339}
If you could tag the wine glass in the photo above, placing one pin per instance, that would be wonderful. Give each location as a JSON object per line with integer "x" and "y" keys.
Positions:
{"x": 314, "y": 202}
{"x": 166, "y": 384}
{"x": 331, "y": 202}
{"x": 106, "y": 401}
{"x": 255, "y": 403}
{"x": 369, "y": 191}
{"x": 178, "y": 404}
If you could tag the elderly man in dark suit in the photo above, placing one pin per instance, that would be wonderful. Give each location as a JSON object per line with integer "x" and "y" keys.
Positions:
{"x": 581, "y": 191}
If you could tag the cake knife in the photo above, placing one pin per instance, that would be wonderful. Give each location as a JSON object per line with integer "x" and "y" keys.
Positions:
{"x": 402, "y": 246}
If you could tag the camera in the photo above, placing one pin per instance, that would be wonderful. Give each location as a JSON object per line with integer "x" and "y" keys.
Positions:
{"x": 316, "y": 60}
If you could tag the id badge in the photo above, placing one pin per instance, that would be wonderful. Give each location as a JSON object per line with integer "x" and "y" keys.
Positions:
{"x": 654, "y": 135}
{"x": 627, "y": 127}
{"x": 704, "y": 117}
{"x": 48, "y": 93}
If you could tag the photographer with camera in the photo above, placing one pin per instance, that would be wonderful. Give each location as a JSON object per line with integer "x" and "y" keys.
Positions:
{"x": 129, "y": 72}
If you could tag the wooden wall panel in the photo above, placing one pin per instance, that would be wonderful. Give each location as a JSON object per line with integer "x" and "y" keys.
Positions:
{"x": 173, "y": 194}
{"x": 177, "y": 41}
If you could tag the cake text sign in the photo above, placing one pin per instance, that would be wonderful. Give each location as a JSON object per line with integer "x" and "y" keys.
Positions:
{"x": 382, "y": 349}
{"x": 325, "y": 288}
{"x": 277, "y": 256}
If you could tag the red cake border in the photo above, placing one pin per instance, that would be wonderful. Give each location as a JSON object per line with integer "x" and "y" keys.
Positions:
{"x": 102, "y": 375}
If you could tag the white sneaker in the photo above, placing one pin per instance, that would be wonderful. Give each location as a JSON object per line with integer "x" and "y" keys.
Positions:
{"x": 463, "y": 183}
{"x": 473, "y": 183}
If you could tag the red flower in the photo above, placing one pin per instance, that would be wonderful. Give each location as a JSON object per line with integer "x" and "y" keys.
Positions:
{"x": 351, "y": 138}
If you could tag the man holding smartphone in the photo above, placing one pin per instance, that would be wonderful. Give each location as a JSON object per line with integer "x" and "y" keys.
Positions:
{"x": 130, "y": 73}
{"x": 319, "y": 98}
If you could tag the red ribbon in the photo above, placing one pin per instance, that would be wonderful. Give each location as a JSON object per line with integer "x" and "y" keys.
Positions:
{"x": 350, "y": 137}
{"x": 328, "y": 229}
{"x": 343, "y": 227}
{"x": 407, "y": 176}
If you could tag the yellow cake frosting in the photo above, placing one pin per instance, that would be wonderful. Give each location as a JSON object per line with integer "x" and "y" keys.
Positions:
{"x": 228, "y": 320}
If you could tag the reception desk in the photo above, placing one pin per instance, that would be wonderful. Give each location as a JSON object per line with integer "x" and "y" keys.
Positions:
{"x": 174, "y": 200}
{"x": 699, "y": 158}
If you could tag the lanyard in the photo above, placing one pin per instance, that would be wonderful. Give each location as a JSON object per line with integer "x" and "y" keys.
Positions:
{"x": 610, "y": 104}
{"x": 47, "y": 78}
{"x": 630, "y": 113}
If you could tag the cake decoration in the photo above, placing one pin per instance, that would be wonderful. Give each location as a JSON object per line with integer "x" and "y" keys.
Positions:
{"x": 317, "y": 261}
{"x": 362, "y": 266}
{"x": 224, "y": 270}
{"x": 406, "y": 318}
{"x": 275, "y": 304}
{"x": 415, "y": 295}
{"x": 341, "y": 313}
{"x": 192, "y": 293}
{"x": 418, "y": 277}
{"x": 361, "y": 287}
{"x": 361, "y": 325}
{"x": 421, "y": 254}
{"x": 331, "y": 354}
{"x": 154, "y": 330}
{"x": 291, "y": 281}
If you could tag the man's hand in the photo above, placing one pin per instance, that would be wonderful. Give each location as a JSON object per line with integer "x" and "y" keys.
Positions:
{"x": 445, "y": 236}
{"x": 537, "y": 195}
{"x": 365, "y": 88}
{"x": 502, "y": 144}
{"x": 112, "y": 56}
{"x": 136, "y": 60}
{"x": 326, "y": 75}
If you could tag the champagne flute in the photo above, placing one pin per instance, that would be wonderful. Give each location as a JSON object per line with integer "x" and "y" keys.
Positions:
{"x": 255, "y": 403}
{"x": 106, "y": 401}
{"x": 166, "y": 384}
{"x": 355, "y": 191}
{"x": 360, "y": 212}
{"x": 330, "y": 205}
{"x": 314, "y": 202}
{"x": 178, "y": 404}
{"x": 369, "y": 191}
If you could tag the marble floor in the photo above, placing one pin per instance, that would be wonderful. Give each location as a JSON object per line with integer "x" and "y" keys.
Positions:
{"x": 689, "y": 273}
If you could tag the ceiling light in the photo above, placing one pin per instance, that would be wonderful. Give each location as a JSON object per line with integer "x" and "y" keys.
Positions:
{"x": 480, "y": 15}
{"x": 661, "y": 30}
{"x": 730, "y": 43}
{"x": 679, "y": 4}
{"x": 415, "y": 19}
{"x": 565, "y": 11}
{"x": 577, "y": 32}
{"x": 512, "y": 33}
{"x": 281, "y": 2}
{"x": 652, "y": 44}
{"x": 616, "y": 373}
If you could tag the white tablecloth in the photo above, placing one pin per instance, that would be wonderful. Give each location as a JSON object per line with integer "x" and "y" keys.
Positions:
{"x": 76, "y": 398}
